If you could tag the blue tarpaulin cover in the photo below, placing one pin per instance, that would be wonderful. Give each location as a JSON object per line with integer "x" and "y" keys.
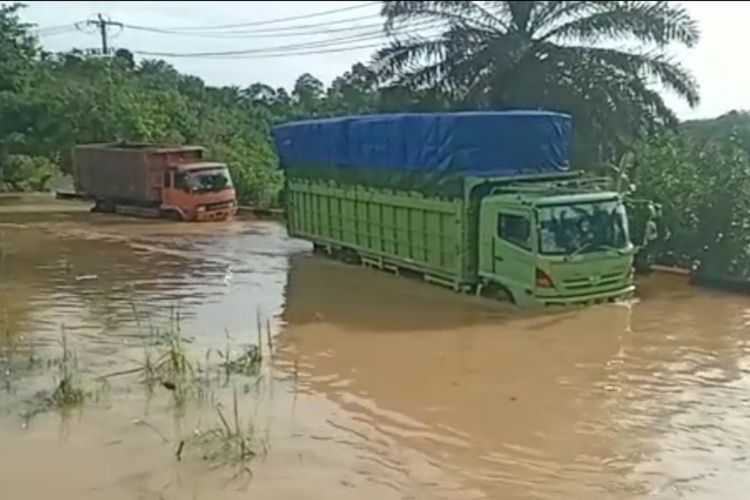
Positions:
{"x": 494, "y": 143}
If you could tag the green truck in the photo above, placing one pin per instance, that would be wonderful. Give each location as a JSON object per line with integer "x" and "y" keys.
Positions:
{"x": 481, "y": 202}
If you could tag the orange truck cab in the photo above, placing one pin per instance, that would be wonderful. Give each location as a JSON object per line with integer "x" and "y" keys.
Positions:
{"x": 154, "y": 180}
{"x": 198, "y": 192}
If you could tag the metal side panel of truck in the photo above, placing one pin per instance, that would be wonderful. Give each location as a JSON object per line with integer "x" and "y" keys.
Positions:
{"x": 387, "y": 228}
{"x": 127, "y": 173}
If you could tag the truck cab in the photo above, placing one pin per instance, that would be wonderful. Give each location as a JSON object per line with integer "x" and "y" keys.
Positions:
{"x": 198, "y": 191}
{"x": 550, "y": 247}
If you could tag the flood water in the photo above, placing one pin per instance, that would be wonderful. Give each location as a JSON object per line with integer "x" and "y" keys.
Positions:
{"x": 379, "y": 387}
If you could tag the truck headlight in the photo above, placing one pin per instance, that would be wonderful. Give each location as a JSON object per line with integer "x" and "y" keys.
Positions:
{"x": 201, "y": 209}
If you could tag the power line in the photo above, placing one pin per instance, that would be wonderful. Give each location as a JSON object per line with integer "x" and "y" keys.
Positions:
{"x": 61, "y": 31}
{"x": 274, "y": 55}
{"x": 273, "y": 21}
{"x": 58, "y": 27}
{"x": 326, "y": 43}
{"x": 301, "y": 29}
{"x": 192, "y": 31}
{"x": 300, "y": 34}
{"x": 349, "y": 41}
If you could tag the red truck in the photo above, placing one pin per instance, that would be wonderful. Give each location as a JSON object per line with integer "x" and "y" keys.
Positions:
{"x": 154, "y": 180}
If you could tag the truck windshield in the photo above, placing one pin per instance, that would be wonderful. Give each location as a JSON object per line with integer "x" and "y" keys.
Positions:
{"x": 582, "y": 228}
{"x": 214, "y": 179}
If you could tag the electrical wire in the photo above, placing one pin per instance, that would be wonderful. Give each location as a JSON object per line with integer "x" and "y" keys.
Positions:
{"x": 61, "y": 29}
{"x": 191, "y": 31}
{"x": 415, "y": 28}
{"x": 335, "y": 42}
{"x": 324, "y": 46}
{"x": 56, "y": 33}
{"x": 274, "y": 29}
{"x": 354, "y": 37}
{"x": 39, "y": 29}
{"x": 269, "y": 21}
{"x": 302, "y": 29}
{"x": 281, "y": 54}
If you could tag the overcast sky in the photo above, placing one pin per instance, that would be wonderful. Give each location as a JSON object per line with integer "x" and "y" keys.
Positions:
{"x": 717, "y": 62}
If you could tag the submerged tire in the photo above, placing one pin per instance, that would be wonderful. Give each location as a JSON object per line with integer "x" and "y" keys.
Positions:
{"x": 172, "y": 215}
{"x": 498, "y": 292}
{"x": 348, "y": 256}
{"x": 103, "y": 207}
{"x": 319, "y": 249}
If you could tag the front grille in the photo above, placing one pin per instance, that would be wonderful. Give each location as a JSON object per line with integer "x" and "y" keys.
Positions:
{"x": 593, "y": 281}
{"x": 218, "y": 206}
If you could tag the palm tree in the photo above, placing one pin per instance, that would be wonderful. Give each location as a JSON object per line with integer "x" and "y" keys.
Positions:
{"x": 601, "y": 61}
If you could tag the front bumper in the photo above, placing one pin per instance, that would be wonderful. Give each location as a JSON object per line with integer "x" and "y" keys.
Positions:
{"x": 621, "y": 293}
{"x": 216, "y": 215}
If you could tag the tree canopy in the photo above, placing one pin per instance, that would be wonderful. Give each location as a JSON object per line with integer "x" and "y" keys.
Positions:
{"x": 559, "y": 55}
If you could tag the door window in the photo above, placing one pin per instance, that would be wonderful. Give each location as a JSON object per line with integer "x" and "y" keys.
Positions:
{"x": 514, "y": 229}
{"x": 181, "y": 181}
{"x": 167, "y": 180}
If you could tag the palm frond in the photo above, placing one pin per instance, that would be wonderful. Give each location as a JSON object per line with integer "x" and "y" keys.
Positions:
{"x": 396, "y": 59}
{"x": 496, "y": 12}
{"x": 667, "y": 72}
{"x": 543, "y": 12}
{"x": 521, "y": 14}
{"x": 551, "y": 14}
{"x": 403, "y": 58}
{"x": 441, "y": 77}
{"x": 464, "y": 13}
{"x": 660, "y": 23}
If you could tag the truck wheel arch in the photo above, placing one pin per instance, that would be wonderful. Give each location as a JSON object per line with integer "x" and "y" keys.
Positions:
{"x": 104, "y": 206}
{"x": 498, "y": 292}
{"x": 173, "y": 213}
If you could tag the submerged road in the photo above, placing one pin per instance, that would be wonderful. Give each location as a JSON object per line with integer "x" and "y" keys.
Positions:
{"x": 380, "y": 387}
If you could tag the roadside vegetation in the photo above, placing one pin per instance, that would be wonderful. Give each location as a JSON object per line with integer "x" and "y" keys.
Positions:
{"x": 490, "y": 55}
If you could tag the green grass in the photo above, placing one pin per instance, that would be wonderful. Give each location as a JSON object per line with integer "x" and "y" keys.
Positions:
{"x": 248, "y": 362}
{"x": 166, "y": 361}
{"x": 168, "y": 364}
{"x": 69, "y": 391}
{"x": 230, "y": 443}
{"x": 250, "y": 359}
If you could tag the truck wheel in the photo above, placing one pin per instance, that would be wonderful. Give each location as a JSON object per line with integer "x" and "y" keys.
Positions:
{"x": 103, "y": 207}
{"x": 348, "y": 256}
{"x": 498, "y": 292}
{"x": 173, "y": 215}
{"x": 319, "y": 249}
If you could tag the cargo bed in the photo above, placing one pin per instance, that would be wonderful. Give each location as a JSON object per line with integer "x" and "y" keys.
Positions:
{"x": 386, "y": 228}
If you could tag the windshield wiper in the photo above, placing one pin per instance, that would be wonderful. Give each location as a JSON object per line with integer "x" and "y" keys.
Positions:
{"x": 620, "y": 251}
{"x": 578, "y": 250}
{"x": 586, "y": 246}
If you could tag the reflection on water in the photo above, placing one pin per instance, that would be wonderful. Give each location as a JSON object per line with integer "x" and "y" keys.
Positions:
{"x": 384, "y": 387}
{"x": 602, "y": 402}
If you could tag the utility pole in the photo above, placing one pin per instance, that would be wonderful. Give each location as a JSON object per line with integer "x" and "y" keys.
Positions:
{"x": 103, "y": 24}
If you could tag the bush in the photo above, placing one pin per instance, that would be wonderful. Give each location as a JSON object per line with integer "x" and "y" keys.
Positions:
{"x": 28, "y": 173}
{"x": 705, "y": 193}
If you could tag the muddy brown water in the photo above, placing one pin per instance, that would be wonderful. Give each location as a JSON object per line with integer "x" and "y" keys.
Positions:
{"x": 379, "y": 388}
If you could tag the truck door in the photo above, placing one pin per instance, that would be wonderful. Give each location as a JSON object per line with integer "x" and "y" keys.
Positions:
{"x": 171, "y": 193}
{"x": 166, "y": 187}
{"x": 509, "y": 245}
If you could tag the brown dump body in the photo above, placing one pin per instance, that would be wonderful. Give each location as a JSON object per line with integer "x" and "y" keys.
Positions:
{"x": 127, "y": 172}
